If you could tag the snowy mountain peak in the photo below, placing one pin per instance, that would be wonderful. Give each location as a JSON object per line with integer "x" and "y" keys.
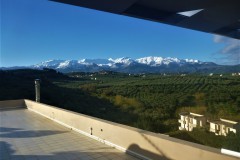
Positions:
{"x": 150, "y": 60}
{"x": 93, "y": 61}
{"x": 48, "y": 63}
{"x": 148, "y": 64}
{"x": 118, "y": 64}
{"x": 192, "y": 61}
{"x": 64, "y": 64}
{"x": 124, "y": 60}
{"x": 157, "y": 61}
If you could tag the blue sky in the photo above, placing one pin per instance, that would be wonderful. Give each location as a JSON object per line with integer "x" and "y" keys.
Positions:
{"x": 33, "y": 31}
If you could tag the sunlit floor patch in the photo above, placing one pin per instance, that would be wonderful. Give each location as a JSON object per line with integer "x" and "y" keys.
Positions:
{"x": 25, "y": 135}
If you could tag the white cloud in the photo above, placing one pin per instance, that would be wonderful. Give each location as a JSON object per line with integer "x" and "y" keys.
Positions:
{"x": 231, "y": 50}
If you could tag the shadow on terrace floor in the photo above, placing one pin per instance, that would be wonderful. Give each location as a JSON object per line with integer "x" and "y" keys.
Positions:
{"x": 8, "y": 153}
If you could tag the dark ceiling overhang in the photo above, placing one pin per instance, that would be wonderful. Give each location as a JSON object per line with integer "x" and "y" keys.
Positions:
{"x": 220, "y": 17}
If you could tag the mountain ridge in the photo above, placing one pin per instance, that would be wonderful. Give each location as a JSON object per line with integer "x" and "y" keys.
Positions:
{"x": 148, "y": 64}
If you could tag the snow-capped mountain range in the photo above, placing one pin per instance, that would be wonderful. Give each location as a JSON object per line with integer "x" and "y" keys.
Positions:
{"x": 126, "y": 64}
{"x": 114, "y": 63}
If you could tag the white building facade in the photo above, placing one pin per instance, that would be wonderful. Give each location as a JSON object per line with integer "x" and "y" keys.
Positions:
{"x": 188, "y": 121}
{"x": 223, "y": 127}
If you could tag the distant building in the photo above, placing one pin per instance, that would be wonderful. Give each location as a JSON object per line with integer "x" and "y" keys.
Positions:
{"x": 103, "y": 72}
{"x": 211, "y": 74}
{"x": 223, "y": 127}
{"x": 190, "y": 120}
{"x": 235, "y": 74}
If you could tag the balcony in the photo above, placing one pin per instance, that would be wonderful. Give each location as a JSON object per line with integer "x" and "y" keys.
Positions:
{"x": 31, "y": 130}
{"x": 27, "y": 135}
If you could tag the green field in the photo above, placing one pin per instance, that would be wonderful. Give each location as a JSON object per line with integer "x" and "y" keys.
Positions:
{"x": 151, "y": 102}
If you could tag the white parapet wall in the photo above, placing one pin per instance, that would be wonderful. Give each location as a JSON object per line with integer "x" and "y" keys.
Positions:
{"x": 141, "y": 143}
{"x": 229, "y": 152}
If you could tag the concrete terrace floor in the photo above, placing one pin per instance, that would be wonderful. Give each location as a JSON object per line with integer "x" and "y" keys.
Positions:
{"x": 25, "y": 135}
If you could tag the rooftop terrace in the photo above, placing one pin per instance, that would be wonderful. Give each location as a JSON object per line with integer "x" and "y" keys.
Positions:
{"x": 27, "y": 135}
{"x": 30, "y": 130}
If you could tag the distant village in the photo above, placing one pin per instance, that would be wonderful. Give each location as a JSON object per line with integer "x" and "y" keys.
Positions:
{"x": 233, "y": 74}
{"x": 143, "y": 75}
{"x": 223, "y": 127}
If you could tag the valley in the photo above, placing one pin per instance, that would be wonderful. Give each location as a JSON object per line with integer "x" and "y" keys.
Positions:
{"x": 147, "y": 101}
